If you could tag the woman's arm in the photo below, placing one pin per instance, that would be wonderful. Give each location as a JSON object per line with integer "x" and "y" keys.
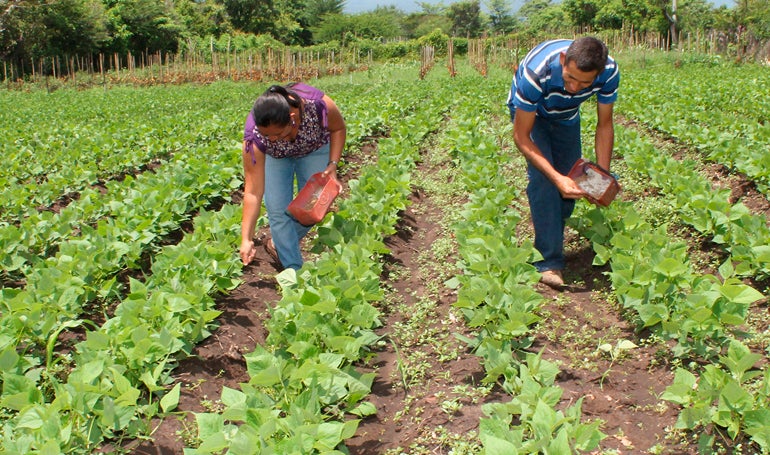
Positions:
{"x": 253, "y": 191}
{"x": 337, "y": 134}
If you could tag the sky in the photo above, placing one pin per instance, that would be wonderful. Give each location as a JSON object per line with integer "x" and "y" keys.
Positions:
{"x": 410, "y": 6}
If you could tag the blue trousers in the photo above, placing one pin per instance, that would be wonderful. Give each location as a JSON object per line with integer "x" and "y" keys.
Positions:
{"x": 280, "y": 175}
{"x": 560, "y": 144}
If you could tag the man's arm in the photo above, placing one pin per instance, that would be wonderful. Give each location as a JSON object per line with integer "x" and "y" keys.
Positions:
{"x": 523, "y": 122}
{"x": 605, "y": 135}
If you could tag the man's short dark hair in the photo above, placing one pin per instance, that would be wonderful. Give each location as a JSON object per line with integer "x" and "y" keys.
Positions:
{"x": 588, "y": 53}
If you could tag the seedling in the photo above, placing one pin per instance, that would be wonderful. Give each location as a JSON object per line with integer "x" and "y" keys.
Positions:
{"x": 616, "y": 352}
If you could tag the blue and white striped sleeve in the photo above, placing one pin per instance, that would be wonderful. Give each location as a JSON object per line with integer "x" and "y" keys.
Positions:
{"x": 609, "y": 92}
{"x": 526, "y": 91}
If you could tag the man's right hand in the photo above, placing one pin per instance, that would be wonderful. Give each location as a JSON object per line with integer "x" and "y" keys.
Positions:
{"x": 568, "y": 188}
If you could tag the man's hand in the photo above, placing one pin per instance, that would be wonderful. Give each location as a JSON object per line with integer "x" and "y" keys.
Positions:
{"x": 568, "y": 188}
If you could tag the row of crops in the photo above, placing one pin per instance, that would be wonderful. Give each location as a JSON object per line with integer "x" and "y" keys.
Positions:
{"x": 120, "y": 271}
{"x": 726, "y": 388}
{"x": 118, "y": 233}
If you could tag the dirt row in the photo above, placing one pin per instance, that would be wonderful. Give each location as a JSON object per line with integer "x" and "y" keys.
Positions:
{"x": 428, "y": 392}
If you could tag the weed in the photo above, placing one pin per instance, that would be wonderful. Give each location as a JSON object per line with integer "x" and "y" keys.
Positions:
{"x": 616, "y": 352}
{"x": 196, "y": 384}
{"x": 188, "y": 432}
{"x": 212, "y": 406}
{"x": 474, "y": 394}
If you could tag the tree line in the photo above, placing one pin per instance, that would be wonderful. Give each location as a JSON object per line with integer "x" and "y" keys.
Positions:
{"x": 35, "y": 30}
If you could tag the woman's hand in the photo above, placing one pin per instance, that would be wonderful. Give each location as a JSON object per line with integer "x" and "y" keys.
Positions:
{"x": 248, "y": 251}
{"x": 331, "y": 170}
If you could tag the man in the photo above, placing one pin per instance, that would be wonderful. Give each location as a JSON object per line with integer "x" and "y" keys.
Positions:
{"x": 551, "y": 82}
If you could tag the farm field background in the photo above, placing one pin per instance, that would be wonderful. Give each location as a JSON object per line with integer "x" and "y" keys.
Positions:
{"x": 417, "y": 326}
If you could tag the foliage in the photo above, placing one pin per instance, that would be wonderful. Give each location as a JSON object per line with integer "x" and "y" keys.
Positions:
{"x": 501, "y": 20}
{"x": 304, "y": 391}
{"x": 58, "y": 28}
{"x": 252, "y": 16}
{"x": 437, "y": 39}
{"x": 466, "y": 18}
{"x": 316, "y": 10}
{"x": 755, "y": 14}
{"x": 420, "y": 24}
{"x": 204, "y": 18}
{"x": 38, "y": 32}
{"x": 143, "y": 25}
{"x": 730, "y": 394}
{"x": 542, "y": 15}
{"x": 379, "y": 25}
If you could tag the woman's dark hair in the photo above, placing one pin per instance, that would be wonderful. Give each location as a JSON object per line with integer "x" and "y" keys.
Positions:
{"x": 273, "y": 106}
{"x": 588, "y": 53}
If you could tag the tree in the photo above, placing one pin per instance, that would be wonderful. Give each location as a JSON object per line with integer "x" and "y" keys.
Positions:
{"x": 541, "y": 15}
{"x": 293, "y": 24}
{"x": 466, "y": 18}
{"x": 531, "y": 8}
{"x": 381, "y": 24}
{"x": 76, "y": 27}
{"x": 613, "y": 14}
{"x": 253, "y": 16}
{"x": 695, "y": 15}
{"x": 756, "y": 15}
{"x": 421, "y": 24}
{"x": 316, "y": 10}
{"x": 501, "y": 21}
{"x": 204, "y": 17}
{"x": 671, "y": 17}
{"x": 638, "y": 15}
{"x": 581, "y": 13}
{"x": 432, "y": 9}
{"x": 33, "y": 30}
{"x": 144, "y": 26}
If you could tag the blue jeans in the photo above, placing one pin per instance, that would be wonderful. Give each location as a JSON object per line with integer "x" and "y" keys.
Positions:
{"x": 560, "y": 144}
{"x": 280, "y": 176}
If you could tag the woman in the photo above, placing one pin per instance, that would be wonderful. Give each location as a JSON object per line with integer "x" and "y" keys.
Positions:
{"x": 292, "y": 131}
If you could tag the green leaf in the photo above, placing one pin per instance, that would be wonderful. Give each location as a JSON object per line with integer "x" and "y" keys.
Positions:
{"x": 544, "y": 421}
{"x": 287, "y": 279}
{"x": 498, "y": 438}
{"x": 626, "y": 344}
{"x": 736, "y": 399}
{"x": 171, "y": 400}
{"x": 587, "y": 436}
{"x": 8, "y": 359}
{"x": 670, "y": 267}
{"x": 758, "y": 427}
{"x": 364, "y": 409}
{"x": 740, "y": 293}
{"x": 681, "y": 390}
{"x": 32, "y": 418}
{"x": 560, "y": 444}
{"x": 19, "y": 392}
{"x": 209, "y": 425}
{"x": 726, "y": 270}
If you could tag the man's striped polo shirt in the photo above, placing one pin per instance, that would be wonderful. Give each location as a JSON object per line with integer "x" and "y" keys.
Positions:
{"x": 538, "y": 84}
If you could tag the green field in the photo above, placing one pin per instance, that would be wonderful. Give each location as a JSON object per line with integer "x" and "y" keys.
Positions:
{"x": 120, "y": 223}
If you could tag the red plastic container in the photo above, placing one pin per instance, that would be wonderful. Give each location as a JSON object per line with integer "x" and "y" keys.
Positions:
{"x": 314, "y": 199}
{"x": 599, "y": 184}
